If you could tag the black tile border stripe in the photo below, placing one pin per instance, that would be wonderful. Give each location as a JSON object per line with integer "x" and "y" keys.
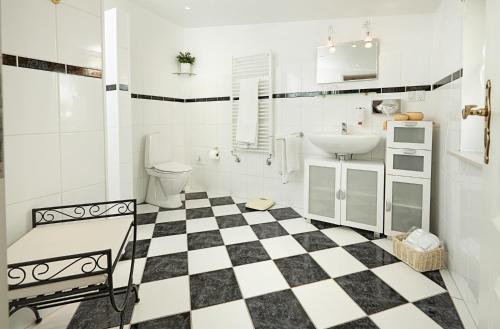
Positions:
{"x": 38, "y": 64}
{"x": 385, "y": 90}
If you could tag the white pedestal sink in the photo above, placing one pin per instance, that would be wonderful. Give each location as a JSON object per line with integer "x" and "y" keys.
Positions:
{"x": 338, "y": 144}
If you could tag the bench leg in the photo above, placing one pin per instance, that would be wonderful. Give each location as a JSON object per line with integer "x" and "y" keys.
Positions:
{"x": 38, "y": 318}
{"x": 136, "y": 293}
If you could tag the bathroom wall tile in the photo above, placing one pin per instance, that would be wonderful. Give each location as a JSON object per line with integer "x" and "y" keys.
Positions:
{"x": 90, "y": 6}
{"x": 81, "y": 103}
{"x": 18, "y": 215}
{"x": 30, "y": 101}
{"x": 31, "y": 166}
{"x": 93, "y": 193}
{"x": 78, "y": 37}
{"x": 82, "y": 159}
{"x": 29, "y": 29}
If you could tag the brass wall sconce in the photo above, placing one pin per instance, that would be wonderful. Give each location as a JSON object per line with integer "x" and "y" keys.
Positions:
{"x": 486, "y": 113}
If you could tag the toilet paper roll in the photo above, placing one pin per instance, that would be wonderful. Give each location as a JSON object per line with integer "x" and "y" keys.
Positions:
{"x": 214, "y": 154}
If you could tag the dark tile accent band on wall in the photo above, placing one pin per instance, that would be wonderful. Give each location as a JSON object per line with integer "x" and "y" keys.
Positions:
{"x": 10, "y": 60}
{"x": 84, "y": 71}
{"x": 419, "y": 88}
{"x": 449, "y": 78}
{"x": 123, "y": 87}
{"x": 110, "y": 87}
{"x": 38, "y": 64}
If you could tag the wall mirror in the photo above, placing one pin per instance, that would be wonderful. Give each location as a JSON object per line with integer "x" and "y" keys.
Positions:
{"x": 351, "y": 61}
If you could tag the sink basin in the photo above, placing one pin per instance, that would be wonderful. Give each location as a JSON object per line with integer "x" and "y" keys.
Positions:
{"x": 335, "y": 143}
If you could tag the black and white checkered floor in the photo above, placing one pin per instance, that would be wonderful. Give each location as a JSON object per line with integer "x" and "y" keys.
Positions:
{"x": 214, "y": 265}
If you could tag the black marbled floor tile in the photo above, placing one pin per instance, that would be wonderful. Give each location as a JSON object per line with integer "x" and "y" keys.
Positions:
{"x": 370, "y": 254}
{"x": 141, "y": 249}
{"x": 441, "y": 309}
{"x": 221, "y": 201}
{"x": 169, "y": 228}
{"x": 199, "y": 213}
{"x": 369, "y": 292}
{"x": 206, "y": 239}
{"x": 269, "y": 230}
{"x": 284, "y": 213}
{"x": 165, "y": 267}
{"x": 196, "y": 195}
{"x": 436, "y": 277}
{"x": 364, "y": 323}
{"x": 99, "y": 314}
{"x": 301, "y": 269}
{"x": 212, "y": 288}
{"x": 244, "y": 209}
{"x": 247, "y": 252}
{"x": 322, "y": 225}
{"x": 178, "y": 321}
{"x": 367, "y": 234}
{"x": 148, "y": 218}
{"x": 278, "y": 310}
{"x": 314, "y": 241}
{"x": 231, "y": 221}
{"x": 183, "y": 206}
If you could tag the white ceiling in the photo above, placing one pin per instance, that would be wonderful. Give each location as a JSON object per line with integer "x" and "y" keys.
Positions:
{"x": 234, "y": 12}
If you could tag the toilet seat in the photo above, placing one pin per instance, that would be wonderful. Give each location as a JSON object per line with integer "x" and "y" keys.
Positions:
{"x": 172, "y": 168}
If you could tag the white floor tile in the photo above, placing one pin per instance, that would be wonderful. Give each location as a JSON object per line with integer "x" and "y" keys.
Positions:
{"x": 229, "y": 209}
{"x": 224, "y": 316}
{"x": 337, "y": 262}
{"x": 171, "y": 216}
{"x": 201, "y": 225}
{"x": 145, "y": 232}
{"x": 344, "y": 236}
{"x": 162, "y": 298}
{"x": 198, "y": 203}
{"x": 259, "y": 278}
{"x": 168, "y": 245}
{"x": 52, "y": 318}
{"x": 283, "y": 246}
{"x": 297, "y": 225}
{"x": 122, "y": 271}
{"x": 238, "y": 234}
{"x": 406, "y": 316}
{"x": 385, "y": 244}
{"x": 327, "y": 304}
{"x": 409, "y": 283}
{"x": 208, "y": 259}
{"x": 258, "y": 217}
{"x": 146, "y": 208}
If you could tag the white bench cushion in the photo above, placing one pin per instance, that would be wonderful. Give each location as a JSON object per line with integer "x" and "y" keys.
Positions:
{"x": 61, "y": 239}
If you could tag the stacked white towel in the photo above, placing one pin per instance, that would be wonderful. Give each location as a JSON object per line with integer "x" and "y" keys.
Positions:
{"x": 248, "y": 112}
{"x": 422, "y": 240}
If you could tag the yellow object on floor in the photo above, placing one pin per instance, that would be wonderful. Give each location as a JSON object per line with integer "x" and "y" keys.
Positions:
{"x": 260, "y": 204}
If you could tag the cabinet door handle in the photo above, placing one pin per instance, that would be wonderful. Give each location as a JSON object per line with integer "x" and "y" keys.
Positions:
{"x": 337, "y": 194}
{"x": 409, "y": 151}
{"x": 410, "y": 124}
{"x": 342, "y": 195}
{"x": 388, "y": 205}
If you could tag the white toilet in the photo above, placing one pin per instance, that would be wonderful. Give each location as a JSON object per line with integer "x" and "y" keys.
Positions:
{"x": 167, "y": 179}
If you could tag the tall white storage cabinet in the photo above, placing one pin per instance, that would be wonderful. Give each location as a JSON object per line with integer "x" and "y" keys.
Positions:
{"x": 408, "y": 179}
{"x": 347, "y": 193}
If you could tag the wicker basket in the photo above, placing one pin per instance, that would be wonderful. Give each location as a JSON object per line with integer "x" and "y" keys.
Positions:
{"x": 421, "y": 261}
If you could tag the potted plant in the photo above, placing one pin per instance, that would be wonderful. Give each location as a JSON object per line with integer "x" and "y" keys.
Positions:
{"x": 186, "y": 60}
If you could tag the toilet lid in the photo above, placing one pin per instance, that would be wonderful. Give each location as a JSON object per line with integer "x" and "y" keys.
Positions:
{"x": 172, "y": 167}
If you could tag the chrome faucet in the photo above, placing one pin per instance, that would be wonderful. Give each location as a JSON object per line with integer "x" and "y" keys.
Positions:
{"x": 344, "y": 128}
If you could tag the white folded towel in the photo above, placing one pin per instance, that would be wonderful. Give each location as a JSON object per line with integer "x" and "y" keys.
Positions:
{"x": 290, "y": 156}
{"x": 248, "y": 112}
{"x": 292, "y": 153}
{"x": 422, "y": 240}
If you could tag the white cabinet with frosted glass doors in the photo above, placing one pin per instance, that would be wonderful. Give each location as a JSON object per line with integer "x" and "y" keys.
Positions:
{"x": 408, "y": 180}
{"x": 349, "y": 193}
